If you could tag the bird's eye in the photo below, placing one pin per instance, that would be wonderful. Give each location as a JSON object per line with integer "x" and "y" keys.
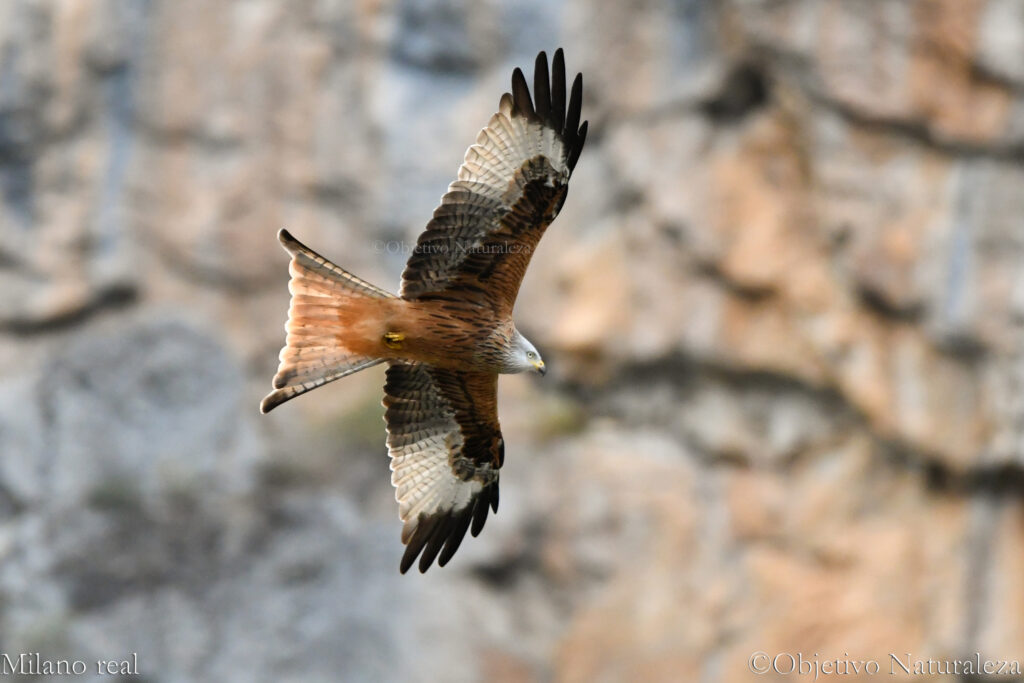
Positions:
{"x": 531, "y": 355}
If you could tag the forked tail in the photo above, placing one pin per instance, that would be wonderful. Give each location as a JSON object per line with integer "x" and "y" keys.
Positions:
{"x": 334, "y": 324}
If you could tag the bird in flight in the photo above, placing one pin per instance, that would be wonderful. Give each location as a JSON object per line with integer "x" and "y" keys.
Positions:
{"x": 449, "y": 332}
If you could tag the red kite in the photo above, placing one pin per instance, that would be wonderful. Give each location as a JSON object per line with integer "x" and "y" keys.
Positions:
{"x": 449, "y": 333}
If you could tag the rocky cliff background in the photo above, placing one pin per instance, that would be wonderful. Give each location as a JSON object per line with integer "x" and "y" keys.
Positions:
{"x": 783, "y": 309}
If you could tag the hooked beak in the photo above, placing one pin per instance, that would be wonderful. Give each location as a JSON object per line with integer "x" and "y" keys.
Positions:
{"x": 541, "y": 370}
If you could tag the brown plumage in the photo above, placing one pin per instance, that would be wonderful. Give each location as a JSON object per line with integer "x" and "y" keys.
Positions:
{"x": 449, "y": 332}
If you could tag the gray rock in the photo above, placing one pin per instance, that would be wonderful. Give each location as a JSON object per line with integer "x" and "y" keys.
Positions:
{"x": 139, "y": 411}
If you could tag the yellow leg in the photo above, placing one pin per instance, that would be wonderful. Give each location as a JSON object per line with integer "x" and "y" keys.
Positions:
{"x": 393, "y": 340}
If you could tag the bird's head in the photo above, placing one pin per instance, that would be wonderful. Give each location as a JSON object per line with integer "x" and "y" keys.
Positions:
{"x": 524, "y": 357}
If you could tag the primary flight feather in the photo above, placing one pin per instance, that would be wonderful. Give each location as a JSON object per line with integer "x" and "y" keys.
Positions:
{"x": 449, "y": 333}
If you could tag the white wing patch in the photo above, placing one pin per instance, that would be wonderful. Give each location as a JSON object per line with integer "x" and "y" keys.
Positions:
{"x": 421, "y": 473}
{"x": 503, "y": 147}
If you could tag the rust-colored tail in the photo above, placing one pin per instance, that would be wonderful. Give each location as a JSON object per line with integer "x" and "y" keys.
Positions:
{"x": 334, "y": 324}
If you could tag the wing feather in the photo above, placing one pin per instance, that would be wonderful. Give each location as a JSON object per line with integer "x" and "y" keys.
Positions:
{"x": 542, "y": 87}
{"x": 455, "y": 537}
{"x": 510, "y": 187}
{"x": 446, "y": 448}
{"x": 572, "y": 116}
{"x": 558, "y": 91}
{"x": 521, "y": 95}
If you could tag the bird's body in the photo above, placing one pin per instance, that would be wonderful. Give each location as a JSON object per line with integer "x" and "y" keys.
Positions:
{"x": 449, "y": 332}
{"x": 394, "y": 329}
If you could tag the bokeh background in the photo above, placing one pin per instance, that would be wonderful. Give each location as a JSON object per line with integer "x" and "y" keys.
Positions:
{"x": 783, "y": 310}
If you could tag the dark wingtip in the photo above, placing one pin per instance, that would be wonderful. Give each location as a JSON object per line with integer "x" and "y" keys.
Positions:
{"x": 456, "y": 536}
{"x": 439, "y": 537}
{"x": 290, "y": 244}
{"x": 577, "y": 148}
{"x": 286, "y": 238}
{"x": 572, "y": 115}
{"x": 483, "y": 502}
{"x": 437, "y": 540}
{"x": 521, "y": 94}
{"x": 425, "y": 527}
{"x": 558, "y": 91}
{"x": 548, "y": 103}
{"x": 409, "y": 556}
{"x": 269, "y": 402}
{"x": 407, "y": 560}
{"x": 542, "y": 88}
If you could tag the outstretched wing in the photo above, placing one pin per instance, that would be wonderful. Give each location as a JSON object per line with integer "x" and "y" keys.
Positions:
{"x": 446, "y": 447}
{"x": 511, "y": 185}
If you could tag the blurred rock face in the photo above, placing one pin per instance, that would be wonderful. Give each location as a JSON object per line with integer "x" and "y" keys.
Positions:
{"x": 783, "y": 308}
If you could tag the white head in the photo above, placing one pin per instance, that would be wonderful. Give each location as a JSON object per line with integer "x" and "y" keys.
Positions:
{"x": 523, "y": 357}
